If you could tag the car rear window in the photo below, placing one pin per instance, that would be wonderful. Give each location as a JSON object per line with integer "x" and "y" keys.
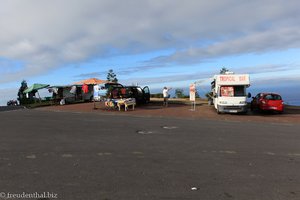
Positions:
{"x": 272, "y": 97}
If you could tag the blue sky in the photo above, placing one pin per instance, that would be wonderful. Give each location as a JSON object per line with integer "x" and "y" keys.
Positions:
{"x": 155, "y": 42}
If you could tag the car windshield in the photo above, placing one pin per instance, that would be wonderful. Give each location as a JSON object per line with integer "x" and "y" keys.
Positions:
{"x": 272, "y": 97}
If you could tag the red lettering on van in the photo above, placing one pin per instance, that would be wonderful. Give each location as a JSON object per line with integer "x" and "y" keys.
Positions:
{"x": 242, "y": 78}
{"x": 227, "y": 78}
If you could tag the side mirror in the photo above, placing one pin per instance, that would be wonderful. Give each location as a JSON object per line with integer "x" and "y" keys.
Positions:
{"x": 249, "y": 95}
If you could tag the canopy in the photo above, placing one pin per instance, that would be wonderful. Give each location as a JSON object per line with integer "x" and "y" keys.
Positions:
{"x": 91, "y": 81}
{"x": 36, "y": 87}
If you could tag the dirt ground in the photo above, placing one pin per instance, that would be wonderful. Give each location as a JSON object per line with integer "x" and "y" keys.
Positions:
{"x": 183, "y": 110}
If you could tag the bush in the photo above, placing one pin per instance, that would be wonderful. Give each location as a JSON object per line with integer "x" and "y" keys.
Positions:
{"x": 158, "y": 95}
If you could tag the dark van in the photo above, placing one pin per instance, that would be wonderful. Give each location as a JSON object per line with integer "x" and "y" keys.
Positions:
{"x": 141, "y": 95}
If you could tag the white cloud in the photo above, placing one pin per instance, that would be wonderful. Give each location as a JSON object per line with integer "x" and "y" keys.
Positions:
{"x": 259, "y": 42}
{"x": 45, "y": 35}
{"x": 260, "y": 74}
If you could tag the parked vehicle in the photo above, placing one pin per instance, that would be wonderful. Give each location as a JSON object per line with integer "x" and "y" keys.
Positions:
{"x": 229, "y": 92}
{"x": 64, "y": 93}
{"x": 141, "y": 95}
{"x": 267, "y": 101}
{"x": 12, "y": 103}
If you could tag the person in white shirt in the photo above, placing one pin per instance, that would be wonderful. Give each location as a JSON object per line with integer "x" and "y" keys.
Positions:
{"x": 166, "y": 96}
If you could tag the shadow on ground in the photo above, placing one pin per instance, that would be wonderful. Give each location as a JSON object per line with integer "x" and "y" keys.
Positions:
{"x": 10, "y": 108}
{"x": 292, "y": 110}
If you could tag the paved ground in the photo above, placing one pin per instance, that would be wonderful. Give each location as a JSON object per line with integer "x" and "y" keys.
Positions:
{"x": 203, "y": 111}
{"x": 10, "y": 108}
{"x": 111, "y": 157}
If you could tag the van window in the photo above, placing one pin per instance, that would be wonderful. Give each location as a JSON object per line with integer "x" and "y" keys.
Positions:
{"x": 232, "y": 91}
{"x": 227, "y": 91}
{"x": 239, "y": 91}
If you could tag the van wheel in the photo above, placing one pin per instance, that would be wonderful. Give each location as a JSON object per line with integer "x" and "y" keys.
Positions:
{"x": 218, "y": 111}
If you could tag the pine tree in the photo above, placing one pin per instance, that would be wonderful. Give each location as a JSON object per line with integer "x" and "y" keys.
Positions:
{"x": 21, "y": 96}
{"x": 224, "y": 70}
{"x": 111, "y": 76}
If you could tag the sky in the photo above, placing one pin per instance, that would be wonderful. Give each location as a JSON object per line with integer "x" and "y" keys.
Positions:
{"x": 150, "y": 42}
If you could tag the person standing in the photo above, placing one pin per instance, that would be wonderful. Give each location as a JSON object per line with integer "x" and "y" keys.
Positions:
{"x": 166, "y": 96}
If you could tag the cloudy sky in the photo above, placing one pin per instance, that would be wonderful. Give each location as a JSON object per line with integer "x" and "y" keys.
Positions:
{"x": 149, "y": 42}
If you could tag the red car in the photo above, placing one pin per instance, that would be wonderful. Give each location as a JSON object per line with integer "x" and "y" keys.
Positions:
{"x": 267, "y": 101}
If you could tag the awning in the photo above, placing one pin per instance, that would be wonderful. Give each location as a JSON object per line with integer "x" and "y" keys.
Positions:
{"x": 35, "y": 87}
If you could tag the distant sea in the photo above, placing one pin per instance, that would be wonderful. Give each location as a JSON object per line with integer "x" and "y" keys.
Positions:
{"x": 290, "y": 95}
{"x": 292, "y": 102}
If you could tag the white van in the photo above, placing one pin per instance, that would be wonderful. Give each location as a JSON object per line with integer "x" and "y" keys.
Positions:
{"x": 229, "y": 92}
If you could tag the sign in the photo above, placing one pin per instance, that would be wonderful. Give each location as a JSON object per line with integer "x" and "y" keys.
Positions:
{"x": 242, "y": 79}
{"x": 193, "y": 92}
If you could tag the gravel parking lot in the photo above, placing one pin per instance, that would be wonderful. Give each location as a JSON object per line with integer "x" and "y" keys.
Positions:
{"x": 183, "y": 110}
{"x": 112, "y": 155}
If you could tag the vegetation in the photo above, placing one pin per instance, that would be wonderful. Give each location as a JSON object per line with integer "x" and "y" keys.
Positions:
{"x": 197, "y": 94}
{"x": 158, "y": 95}
{"x": 209, "y": 95}
{"x": 179, "y": 93}
{"x": 224, "y": 70}
{"x": 21, "y": 95}
{"x": 111, "y": 76}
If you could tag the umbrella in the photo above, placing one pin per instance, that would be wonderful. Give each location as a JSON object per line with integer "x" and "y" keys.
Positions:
{"x": 91, "y": 81}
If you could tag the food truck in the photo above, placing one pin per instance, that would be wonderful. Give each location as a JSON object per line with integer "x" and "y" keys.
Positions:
{"x": 229, "y": 92}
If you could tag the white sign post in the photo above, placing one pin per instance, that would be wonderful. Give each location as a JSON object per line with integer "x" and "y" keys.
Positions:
{"x": 193, "y": 96}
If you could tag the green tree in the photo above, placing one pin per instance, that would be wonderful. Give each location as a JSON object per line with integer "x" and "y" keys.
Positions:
{"x": 179, "y": 93}
{"x": 21, "y": 96}
{"x": 111, "y": 76}
{"x": 209, "y": 95}
{"x": 224, "y": 70}
{"x": 197, "y": 94}
{"x": 157, "y": 95}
